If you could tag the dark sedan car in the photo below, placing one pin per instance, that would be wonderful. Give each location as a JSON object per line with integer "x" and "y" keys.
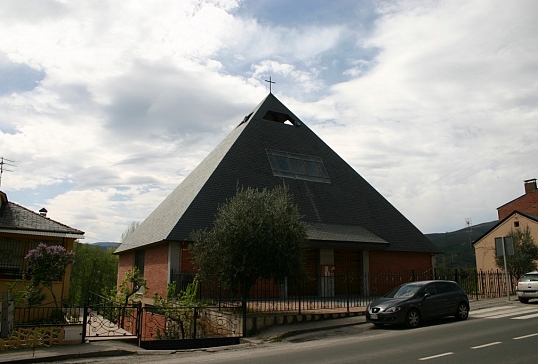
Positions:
{"x": 413, "y": 302}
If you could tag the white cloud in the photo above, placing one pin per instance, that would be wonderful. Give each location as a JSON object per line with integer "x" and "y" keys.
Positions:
{"x": 453, "y": 82}
{"x": 433, "y": 103}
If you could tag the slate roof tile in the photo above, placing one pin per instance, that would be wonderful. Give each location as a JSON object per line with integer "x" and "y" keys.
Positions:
{"x": 15, "y": 218}
{"x": 348, "y": 203}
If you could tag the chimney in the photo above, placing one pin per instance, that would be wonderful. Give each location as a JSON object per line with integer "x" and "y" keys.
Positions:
{"x": 530, "y": 185}
{"x": 43, "y": 212}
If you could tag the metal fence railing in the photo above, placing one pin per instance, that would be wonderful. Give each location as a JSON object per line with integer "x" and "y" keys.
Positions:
{"x": 47, "y": 315}
{"x": 346, "y": 292}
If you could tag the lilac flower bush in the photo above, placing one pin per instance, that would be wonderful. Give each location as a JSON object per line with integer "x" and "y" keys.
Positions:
{"x": 47, "y": 263}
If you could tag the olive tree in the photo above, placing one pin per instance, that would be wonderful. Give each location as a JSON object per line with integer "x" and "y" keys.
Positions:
{"x": 257, "y": 234}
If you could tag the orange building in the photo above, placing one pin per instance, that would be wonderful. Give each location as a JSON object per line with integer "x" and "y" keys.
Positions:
{"x": 21, "y": 230}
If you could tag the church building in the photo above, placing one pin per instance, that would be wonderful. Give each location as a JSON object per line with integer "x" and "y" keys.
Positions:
{"x": 352, "y": 228}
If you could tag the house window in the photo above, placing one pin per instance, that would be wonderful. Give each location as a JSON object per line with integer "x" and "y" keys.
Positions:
{"x": 297, "y": 166}
{"x": 139, "y": 261}
{"x": 516, "y": 224}
{"x": 11, "y": 258}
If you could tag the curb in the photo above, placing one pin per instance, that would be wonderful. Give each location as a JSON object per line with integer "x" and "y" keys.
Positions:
{"x": 53, "y": 358}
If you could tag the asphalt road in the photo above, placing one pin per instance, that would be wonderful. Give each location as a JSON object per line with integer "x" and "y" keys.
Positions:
{"x": 494, "y": 335}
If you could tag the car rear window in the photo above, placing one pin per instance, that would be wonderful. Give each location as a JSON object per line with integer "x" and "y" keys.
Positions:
{"x": 529, "y": 278}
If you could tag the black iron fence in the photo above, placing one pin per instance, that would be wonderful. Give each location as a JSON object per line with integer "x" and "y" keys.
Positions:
{"x": 47, "y": 315}
{"x": 346, "y": 292}
{"x": 222, "y": 320}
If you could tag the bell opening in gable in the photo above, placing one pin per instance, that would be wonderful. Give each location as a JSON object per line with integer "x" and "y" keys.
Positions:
{"x": 279, "y": 118}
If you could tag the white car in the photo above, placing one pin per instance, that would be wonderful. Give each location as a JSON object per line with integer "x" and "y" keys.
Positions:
{"x": 527, "y": 287}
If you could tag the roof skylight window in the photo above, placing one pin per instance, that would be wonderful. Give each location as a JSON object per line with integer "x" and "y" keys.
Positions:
{"x": 297, "y": 166}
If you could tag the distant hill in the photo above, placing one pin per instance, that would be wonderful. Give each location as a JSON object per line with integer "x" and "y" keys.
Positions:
{"x": 106, "y": 245}
{"x": 456, "y": 245}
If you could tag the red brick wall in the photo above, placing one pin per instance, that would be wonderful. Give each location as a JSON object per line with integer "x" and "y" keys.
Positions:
{"x": 527, "y": 203}
{"x": 399, "y": 262}
{"x": 126, "y": 261}
{"x": 390, "y": 269}
{"x": 186, "y": 265}
{"x": 156, "y": 269}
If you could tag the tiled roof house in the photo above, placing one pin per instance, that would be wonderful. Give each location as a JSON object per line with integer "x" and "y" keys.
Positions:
{"x": 351, "y": 227}
{"x": 21, "y": 230}
{"x": 519, "y": 213}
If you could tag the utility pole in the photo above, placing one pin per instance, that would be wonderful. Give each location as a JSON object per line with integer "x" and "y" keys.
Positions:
{"x": 469, "y": 224}
{"x": 5, "y": 162}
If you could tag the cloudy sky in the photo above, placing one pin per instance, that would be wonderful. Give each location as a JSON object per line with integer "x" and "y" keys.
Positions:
{"x": 105, "y": 106}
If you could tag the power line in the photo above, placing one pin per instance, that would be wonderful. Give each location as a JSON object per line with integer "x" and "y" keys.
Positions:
{"x": 5, "y": 162}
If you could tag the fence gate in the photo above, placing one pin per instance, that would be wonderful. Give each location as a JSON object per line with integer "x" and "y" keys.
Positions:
{"x": 111, "y": 321}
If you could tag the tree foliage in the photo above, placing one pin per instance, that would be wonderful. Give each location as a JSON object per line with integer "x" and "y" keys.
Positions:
{"x": 130, "y": 229}
{"x": 178, "y": 310}
{"x": 256, "y": 234}
{"x": 95, "y": 271}
{"x": 27, "y": 296}
{"x": 131, "y": 284}
{"x": 47, "y": 263}
{"x": 525, "y": 253}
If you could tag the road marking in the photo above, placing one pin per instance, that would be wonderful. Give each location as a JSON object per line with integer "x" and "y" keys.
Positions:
{"x": 526, "y": 336}
{"x": 525, "y": 317}
{"x": 499, "y": 308}
{"x": 436, "y": 356}
{"x": 486, "y": 345}
{"x": 504, "y": 312}
{"x": 517, "y": 312}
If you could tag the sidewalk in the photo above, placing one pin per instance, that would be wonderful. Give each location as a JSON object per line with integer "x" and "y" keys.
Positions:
{"x": 117, "y": 347}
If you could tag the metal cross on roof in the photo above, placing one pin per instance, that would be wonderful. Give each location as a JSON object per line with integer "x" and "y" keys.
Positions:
{"x": 270, "y": 82}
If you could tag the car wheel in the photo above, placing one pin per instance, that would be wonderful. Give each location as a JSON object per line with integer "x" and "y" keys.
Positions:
{"x": 462, "y": 312}
{"x": 523, "y": 300}
{"x": 412, "y": 318}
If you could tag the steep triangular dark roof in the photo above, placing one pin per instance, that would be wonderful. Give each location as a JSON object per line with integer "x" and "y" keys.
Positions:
{"x": 343, "y": 209}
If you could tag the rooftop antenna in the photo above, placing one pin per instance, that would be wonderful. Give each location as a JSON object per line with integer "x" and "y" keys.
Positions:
{"x": 270, "y": 82}
{"x": 5, "y": 162}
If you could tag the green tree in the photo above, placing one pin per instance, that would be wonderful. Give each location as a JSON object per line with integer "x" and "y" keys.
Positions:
{"x": 178, "y": 311}
{"x": 132, "y": 287}
{"x": 525, "y": 253}
{"x": 95, "y": 271}
{"x": 130, "y": 229}
{"x": 256, "y": 234}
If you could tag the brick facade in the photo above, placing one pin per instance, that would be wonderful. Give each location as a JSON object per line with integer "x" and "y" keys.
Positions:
{"x": 186, "y": 264}
{"x": 156, "y": 269}
{"x": 382, "y": 262}
{"x": 126, "y": 261}
{"x": 527, "y": 203}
